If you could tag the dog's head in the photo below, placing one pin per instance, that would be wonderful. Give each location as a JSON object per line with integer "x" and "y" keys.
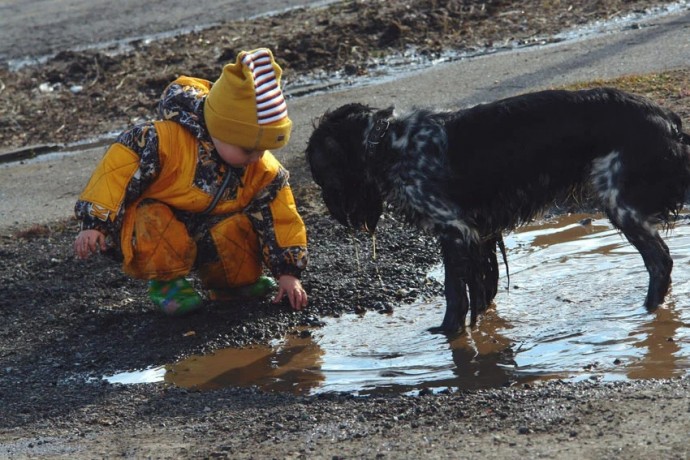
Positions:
{"x": 339, "y": 163}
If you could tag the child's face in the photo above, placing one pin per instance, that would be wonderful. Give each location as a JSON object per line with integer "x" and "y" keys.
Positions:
{"x": 236, "y": 156}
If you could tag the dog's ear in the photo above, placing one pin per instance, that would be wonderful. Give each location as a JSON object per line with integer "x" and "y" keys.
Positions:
{"x": 387, "y": 112}
{"x": 326, "y": 160}
{"x": 337, "y": 160}
{"x": 335, "y": 147}
{"x": 323, "y": 161}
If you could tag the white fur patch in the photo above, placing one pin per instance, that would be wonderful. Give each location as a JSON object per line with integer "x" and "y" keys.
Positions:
{"x": 605, "y": 171}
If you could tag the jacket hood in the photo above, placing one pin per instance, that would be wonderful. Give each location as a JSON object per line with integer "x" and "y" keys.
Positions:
{"x": 182, "y": 101}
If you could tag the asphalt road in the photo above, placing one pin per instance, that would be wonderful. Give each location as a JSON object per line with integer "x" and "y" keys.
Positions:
{"x": 35, "y": 28}
{"x": 56, "y": 180}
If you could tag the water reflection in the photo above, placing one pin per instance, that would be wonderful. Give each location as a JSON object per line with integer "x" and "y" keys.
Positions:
{"x": 580, "y": 308}
{"x": 659, "y": 341}
{"x": 396, "y": 353}
{"x": 292, "y": 366}
{"x": 483, "y": 356}
{"x": 361, "y": 354}
{"x": 574, "y": 311}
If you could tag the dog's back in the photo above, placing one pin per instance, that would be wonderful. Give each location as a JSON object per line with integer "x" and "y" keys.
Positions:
{"x": 522, "y": 153}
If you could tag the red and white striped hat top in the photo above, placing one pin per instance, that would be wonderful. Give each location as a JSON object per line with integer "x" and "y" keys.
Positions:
{"x": 270, "y": 103}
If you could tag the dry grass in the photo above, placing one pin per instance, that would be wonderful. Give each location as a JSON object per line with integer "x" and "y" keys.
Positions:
{"x": 670, "y": 89}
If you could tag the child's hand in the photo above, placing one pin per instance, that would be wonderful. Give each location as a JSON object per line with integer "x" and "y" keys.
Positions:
{"x": 292, "y": 287}
{"x": 89, "y": 242}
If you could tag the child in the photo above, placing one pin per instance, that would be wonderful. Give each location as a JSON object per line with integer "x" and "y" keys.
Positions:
{"x": 199, "y": 189}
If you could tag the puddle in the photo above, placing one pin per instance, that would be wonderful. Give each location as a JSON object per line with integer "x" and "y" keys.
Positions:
{"x": 574, "y": 311}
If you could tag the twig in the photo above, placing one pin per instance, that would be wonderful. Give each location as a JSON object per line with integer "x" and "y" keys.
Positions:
{"x": 373, "y": 246}
{"x": 122, "y": 82}
{"x": 354, "y": 242}
{"x": 98, "y": 72}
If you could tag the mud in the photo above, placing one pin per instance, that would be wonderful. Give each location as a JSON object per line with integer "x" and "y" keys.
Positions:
{"x": 66, "y": 323}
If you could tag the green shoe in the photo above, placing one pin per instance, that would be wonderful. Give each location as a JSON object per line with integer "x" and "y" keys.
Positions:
{"x": 175, "y": 297}
{"x": 262, "y": 287}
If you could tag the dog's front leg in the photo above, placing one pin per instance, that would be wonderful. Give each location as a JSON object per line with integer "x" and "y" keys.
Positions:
{"x": 457, "y": 303}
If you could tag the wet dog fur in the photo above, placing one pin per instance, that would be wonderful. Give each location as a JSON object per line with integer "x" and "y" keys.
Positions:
{"x": 468, "y": 176}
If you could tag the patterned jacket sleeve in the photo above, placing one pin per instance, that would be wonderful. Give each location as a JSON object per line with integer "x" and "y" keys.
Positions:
{"x": 281, "y": 231}
{"x": 125, "y": 171}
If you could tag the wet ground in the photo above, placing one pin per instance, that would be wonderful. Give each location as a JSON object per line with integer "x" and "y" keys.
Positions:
{"x": 68, "y": 326}
{"x": 576, "y": 265}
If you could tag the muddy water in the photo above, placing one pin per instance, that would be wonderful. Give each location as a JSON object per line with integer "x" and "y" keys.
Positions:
{"x": 576, "y": 311}
{"x": 573, "y": 311}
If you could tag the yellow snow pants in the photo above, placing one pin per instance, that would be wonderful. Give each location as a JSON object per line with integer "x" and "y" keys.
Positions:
{"x": 164, "y": 250}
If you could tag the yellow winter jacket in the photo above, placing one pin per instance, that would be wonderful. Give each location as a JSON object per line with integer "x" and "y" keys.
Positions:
{"x": 173, "y": 161}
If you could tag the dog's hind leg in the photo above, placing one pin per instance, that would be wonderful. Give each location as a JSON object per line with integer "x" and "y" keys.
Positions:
{"x": 654, "y": 252}
{"x": 625, "y": 192}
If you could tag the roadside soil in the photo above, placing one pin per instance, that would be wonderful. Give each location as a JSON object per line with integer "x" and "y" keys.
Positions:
{"x": 77, "y": 95}
{"x": 67, "y": 323}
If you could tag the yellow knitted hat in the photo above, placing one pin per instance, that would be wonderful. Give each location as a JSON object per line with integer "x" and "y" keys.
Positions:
{"x": 245, "y": 106}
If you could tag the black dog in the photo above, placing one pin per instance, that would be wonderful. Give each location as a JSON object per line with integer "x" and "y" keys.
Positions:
{"x": 467, "y": 176}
